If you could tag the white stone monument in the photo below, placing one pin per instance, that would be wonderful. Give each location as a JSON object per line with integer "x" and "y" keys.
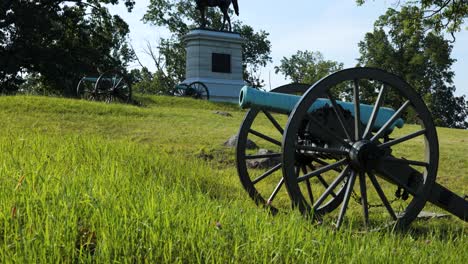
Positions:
{"x": 215, "y": 59}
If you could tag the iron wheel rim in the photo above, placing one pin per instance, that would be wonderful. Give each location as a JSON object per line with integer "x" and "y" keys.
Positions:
{"x": 199, "y": 91}
{"x": 299, "y": 113}
{"x": 113, "y": 86}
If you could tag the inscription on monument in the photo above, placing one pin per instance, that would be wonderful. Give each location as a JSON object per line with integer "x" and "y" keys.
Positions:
{"x": 221, "y": 63}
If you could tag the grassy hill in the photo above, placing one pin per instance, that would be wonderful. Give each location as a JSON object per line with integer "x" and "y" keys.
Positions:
{"x": 83, "y": 181}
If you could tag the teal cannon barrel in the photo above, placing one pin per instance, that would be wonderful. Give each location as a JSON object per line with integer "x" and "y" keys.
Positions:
{"x": 285, "y": 103}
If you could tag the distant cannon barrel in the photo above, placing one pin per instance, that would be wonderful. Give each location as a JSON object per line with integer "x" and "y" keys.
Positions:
{"x": 285, "y": 103}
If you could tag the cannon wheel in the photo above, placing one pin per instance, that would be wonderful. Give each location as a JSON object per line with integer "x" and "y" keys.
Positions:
{"x": 180, "y": 90}
{"x": 198, "y": 90}
{"x": 263, "y": 181}
{"x": 381, "y": 165}
{"x": 113, "y": 86}
{"x": 85, "y": 89}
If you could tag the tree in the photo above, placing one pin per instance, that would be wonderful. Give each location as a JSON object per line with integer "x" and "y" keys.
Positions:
{"x": 439, "y": 15}
{"x": 307, "y": 67}
{"x": 181, "y": 16}
{"x": 256, "y": 53}
{"x": 146, "y": 82}
{"x": 402, "y": 43}
{"x": 59, "y": 42}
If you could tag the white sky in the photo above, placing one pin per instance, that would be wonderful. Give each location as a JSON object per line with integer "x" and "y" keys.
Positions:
{"x": 333, "y": 27}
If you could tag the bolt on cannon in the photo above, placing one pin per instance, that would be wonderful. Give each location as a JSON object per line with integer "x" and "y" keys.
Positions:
{"x": 377, "y": 145}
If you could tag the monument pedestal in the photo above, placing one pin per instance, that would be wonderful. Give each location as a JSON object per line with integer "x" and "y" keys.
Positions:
{"x": 215, "y": 59}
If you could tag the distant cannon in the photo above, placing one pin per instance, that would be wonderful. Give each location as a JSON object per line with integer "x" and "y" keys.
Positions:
{"x": 111, "y": 86}
{"x": 196, "y": 90}
{"x": 316, "y": 147}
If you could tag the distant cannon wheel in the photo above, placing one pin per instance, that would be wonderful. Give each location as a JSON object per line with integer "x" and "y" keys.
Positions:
{"x": 259, "y": 169}
{"x": 180, "y": 90}
{"x": 198, "y": 90}
{"x": 113, "y": 86}
{"x": 85, "y": 89}
{"x": 389, "y": 179}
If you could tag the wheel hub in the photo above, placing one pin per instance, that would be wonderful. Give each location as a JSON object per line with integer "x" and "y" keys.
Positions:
{"x": 364, "y": 154}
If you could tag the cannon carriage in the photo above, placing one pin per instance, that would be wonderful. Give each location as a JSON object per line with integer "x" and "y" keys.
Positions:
{"x": 111, "y": 86}
{"x": 348, "y": 137}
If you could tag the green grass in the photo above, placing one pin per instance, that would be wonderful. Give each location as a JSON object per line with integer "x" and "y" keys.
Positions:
{"x": 89, "y": 182}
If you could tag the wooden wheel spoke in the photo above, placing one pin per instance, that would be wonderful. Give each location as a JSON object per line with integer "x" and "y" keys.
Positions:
{"x": 402, "y": 139}
{"x": 390, "y": 122}
{"x": 309, "y": 191}
{"x": 265, "y": 137}
{"x": 363, "y": 187}
{"x": 382, "y": 196}
{"x": 322, "y": 170}
{"x": 357, "y": 111}
{"x": 275, "y": 191}
{"x": 266, "y": 174}
{"x": 274, "y": 122}
{"x": 322, "y": 180}
{"x": 375, "y": 111}
{"x": 323, "y": 163}
{"x": 261, "y": 156}
{"x": 339, "y": 115}
{"x": 344, "y": 205}
{"x": 330, "y": 188}
{"x": 325, "y": 184}
{"x": 308, "y": 185}
{"x": 117, "y": 84}
{"x": 322, "y": 150}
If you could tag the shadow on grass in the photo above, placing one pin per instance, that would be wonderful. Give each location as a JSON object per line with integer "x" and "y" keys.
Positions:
{"x": 448, "y": 229}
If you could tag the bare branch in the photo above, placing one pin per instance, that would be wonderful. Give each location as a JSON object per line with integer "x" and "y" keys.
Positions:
{"x": 157, "y": 58}
{"x": 137, "y": 58}
{"x": 437, "y": 11}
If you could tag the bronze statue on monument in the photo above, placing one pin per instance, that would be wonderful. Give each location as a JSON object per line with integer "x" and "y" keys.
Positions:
{"x": 223, "y": 5}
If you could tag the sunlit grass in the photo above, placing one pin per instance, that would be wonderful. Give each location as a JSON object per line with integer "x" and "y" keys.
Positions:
{"x": 83, "y": 181}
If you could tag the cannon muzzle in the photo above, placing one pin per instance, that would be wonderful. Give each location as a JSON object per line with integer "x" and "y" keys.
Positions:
{"x": 285, "y": 103}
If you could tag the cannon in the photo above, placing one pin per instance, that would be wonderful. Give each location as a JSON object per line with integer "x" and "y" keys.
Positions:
{"x": 111, "y": 86}
{"x": 196, "y": 90}
{"x": 377, "y": 145}
{"x": 284, "y": 103}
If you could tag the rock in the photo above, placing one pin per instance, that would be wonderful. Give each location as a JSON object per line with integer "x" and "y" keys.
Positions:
{"x": 430, "y": 215}
{"x": 232, "y": 141}
{"x": 263, "y": 163}
{"x": 205, "y": 156}
{"x": 222, "y": 113}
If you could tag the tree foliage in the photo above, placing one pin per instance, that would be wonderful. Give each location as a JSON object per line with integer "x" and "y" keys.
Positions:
{"x": 439, "y": 15}
{"x": 402, "y": 43}
{"x": 181, "y": 16}
{"x": 307, "y": 67}
{"x": 57, "y": 42}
